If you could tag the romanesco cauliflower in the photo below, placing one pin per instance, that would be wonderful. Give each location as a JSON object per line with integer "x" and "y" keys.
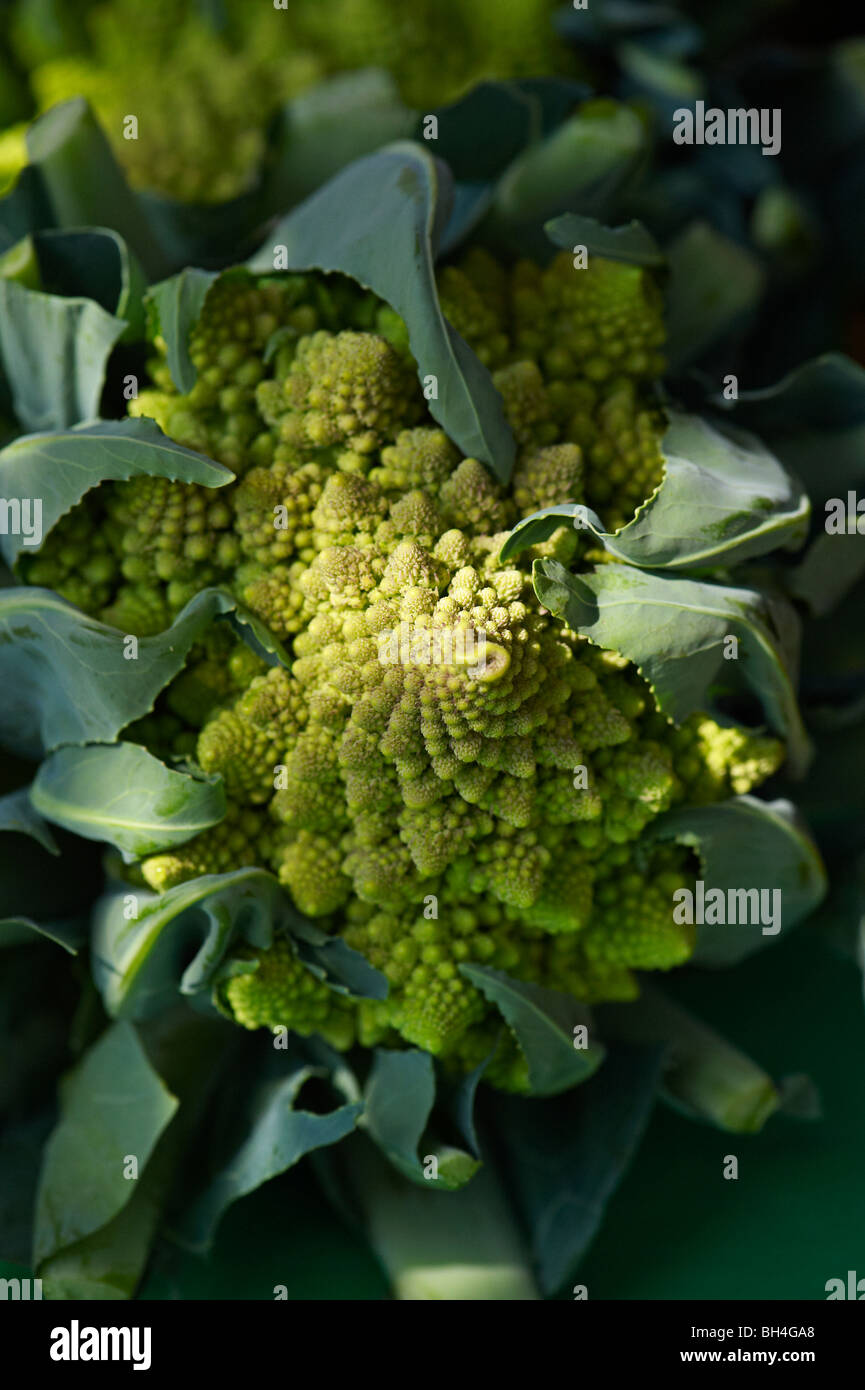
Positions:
{"x": 446, "y": 774}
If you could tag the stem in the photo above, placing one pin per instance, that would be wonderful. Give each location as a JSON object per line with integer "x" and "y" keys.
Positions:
{"x": 705, "y": 1074}
{"x": 460, "y": 1245}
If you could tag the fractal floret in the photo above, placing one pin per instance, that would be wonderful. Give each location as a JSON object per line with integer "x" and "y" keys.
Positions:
{"x": 444, "y": 774}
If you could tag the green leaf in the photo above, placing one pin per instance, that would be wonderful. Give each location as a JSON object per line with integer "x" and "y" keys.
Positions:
{"x": 26, "y": 206}
{"x": 674, "y": 631}
{"x": 83, "y": 182}
{"x": 398, "y": 1102}
{"x": 97, "y": 264}
{"x": 704, "y": 1075}
{"x": 18, "y": 814}
{"x": 269, "y": 1133}
{"x": 585, "y": 161}
{"x": 177, "y": 941}
{"x": 338, "y": 120}
{"x": 543, "y": 1022}
{"x": 121, "y": 794}
{"x": 186, "y": 1052}
{"x": 112, "y": 1105}
{"x": 714, "y": 284}
{"x": 483, "y": 132}
{"x": 342, "y": 968}
{"x": 565, "y": 1157}
{"x": 68, "y": 678}
{"x": 178, "y": 304}
{"x": 831, "y": 569}
{"x": 631, "y": 243}
{"x": 54, "y": 353}
{"x": 724, "y": 499}
{"x": 21, "y": 1143}
{"x": 60, "y": 467}
{"x": 745, "y": 843}
{"x": 398, "y": 200}
{"x": 399, "y": 1098}
{"x": 814, "y": 419}
{"x": 21, "y": 931}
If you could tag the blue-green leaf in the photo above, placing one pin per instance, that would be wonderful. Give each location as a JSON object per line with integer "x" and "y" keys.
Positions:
{"x": 178, "y": 303}
{"x": 398, "y": 199}
{"x": 543, "y": 1022}
{"x": 675, "y": 631}
{"x": 714, "y": 284}
{"x": 18, "y": 814}
{"x": 60, "y": 467}
{"x": 565, "y": 1157}
{"x": 631, "y": 243}
{"x": 121, "y": 794}
{"x": 147, "y": 948}
{"x": 584, "y": 162}
{"x": 724, "y": 499}
{"x": 23, "y": 931}
{"x": 54, "y": 353}
{"x": 398, "y": 1103}
{"x": 268, "y": 1134}
{"x": 83, "y": 183}
{"x": 113, "y": 1105}
{"x": 68, "y": 678}
{"x": 745, "y": 843}
{"x": 324, "y": 128}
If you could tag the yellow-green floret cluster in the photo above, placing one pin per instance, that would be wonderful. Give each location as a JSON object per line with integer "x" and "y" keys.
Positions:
{"x": 445, "y": 774}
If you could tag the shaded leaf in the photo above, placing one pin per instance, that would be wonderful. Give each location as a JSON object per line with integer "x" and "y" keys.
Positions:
{"x": 724, "y": 499}
{"x": 83, "y": 182}
{"x": 60, "y": 467}
{"x": 398, "y": 198}
{"x": 328, "y": 957}
{"x": 113, "y": 1104}
{"x": 674, "y": 631}
{"x": 54, "y": 353}
{"x": 714, "y": 283}
{"x": 178, "y": 940}
{"x": 745, "y": 843}
{"x": 94, "y": 262}
{"x": 21, "y": 931}
{"x": 68, "y": 678}
{"x": 269, "y": 1133}
{"x": 631, "y": 243}
{"x": 340, "y": 119}
{"x": 178, "y": 303}
{"x": 125, "y": 796}
{"x": 564, "y": 1157}
{"x": 398, "y": 1102}
{"x": 543, "y": 1022}
{"x": 584, "y": 162}
{"x": 18, "y": 814}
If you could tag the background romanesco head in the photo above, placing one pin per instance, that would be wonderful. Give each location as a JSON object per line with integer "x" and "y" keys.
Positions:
{"x": 202, "y": 82}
